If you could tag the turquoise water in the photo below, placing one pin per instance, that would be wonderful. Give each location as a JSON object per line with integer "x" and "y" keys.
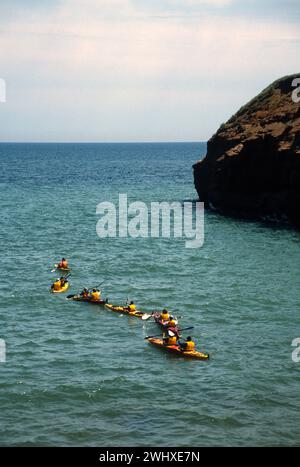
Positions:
{"x": 76, "y": 374}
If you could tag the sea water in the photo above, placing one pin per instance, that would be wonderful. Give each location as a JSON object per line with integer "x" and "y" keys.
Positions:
{"x": 79, "y": 375}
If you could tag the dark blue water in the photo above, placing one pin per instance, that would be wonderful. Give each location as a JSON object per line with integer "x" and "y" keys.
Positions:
{"x": 80, "y": 375}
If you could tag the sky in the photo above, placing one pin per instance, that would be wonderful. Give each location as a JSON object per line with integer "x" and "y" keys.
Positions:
{"x": 138, "y": 70}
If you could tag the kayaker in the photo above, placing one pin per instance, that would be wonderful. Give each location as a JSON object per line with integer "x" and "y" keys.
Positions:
{"x": 170, "y": 339}
{"x": 85, "y": 293}
{"x": 171, "y": 323}
{"x": 56, "y": 285}
{"x": 96, "y": 295}
{"x": 172, "y": 326}
{"x": 63, "y": 281}
{"x": 165, "y": 315}
{"x": 131, "y": 306}
{"x": 63, "y": 264}
{"x": 189, "y": 344}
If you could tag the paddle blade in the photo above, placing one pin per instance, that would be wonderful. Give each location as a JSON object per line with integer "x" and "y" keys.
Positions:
{"x": 150, "y": 337}
{"x": 146, "y": 316}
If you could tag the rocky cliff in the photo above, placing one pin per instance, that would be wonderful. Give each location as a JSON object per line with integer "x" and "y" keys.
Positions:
{"x": 252, "y": 166}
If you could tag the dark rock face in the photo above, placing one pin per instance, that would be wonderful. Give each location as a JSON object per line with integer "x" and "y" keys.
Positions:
{"x": 252, "y": 166}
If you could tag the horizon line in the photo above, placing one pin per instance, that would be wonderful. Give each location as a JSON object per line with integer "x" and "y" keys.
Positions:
{"x": 103, "y": 142}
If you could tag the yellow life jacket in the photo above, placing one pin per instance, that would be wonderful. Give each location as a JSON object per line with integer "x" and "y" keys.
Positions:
{"x": 57, "y": 285}
{"x": 95, "y": 295}
{"x": 172, "y": 323}
{"x": 172, "y": 340}
{"x": 190, "y": 345}
{"x": 132, "y": 307}
{"x": 165, "y": 316}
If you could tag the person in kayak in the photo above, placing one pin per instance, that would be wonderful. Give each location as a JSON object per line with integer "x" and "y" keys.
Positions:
{"x": 56, "y": 285}
{"x": 85, "y": 293}
{"x": 63, "y": 281}
{"x": 188, "y": 345}
{"x": 63, "y": 264}
{"x": 165, "y": 315}
{"x": 171, "y": 323}
{"x": 96, "y": 295}
{"x": 131, "y": 306}
{"x": 59, "y": 283}
{"x": 170, "y": 340}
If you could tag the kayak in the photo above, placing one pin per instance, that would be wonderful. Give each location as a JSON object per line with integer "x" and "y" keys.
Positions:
{"x": 62, "y": 289}
{"x": 176, "y": 349}
{"x": 79, "y": 298}
{"x": 61, "y": 269}
{"x": 161, "y": 322}
{"x": 125, "y": 311}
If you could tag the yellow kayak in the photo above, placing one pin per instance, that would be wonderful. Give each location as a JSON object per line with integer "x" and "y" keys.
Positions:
{"x": 177, "y": 350}
{"x": 124, "y": 310}
{"x": 62, "y": 289}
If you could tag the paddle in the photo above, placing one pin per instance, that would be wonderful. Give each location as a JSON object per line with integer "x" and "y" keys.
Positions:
{"x": 146, "y": 316}
{"x": 98, "y": 285}
{"x": 158, "y": 335}
{"x": 172, "y": 333}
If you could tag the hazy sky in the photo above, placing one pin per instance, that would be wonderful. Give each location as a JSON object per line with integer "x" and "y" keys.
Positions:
{"x": 138, "y": 70}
